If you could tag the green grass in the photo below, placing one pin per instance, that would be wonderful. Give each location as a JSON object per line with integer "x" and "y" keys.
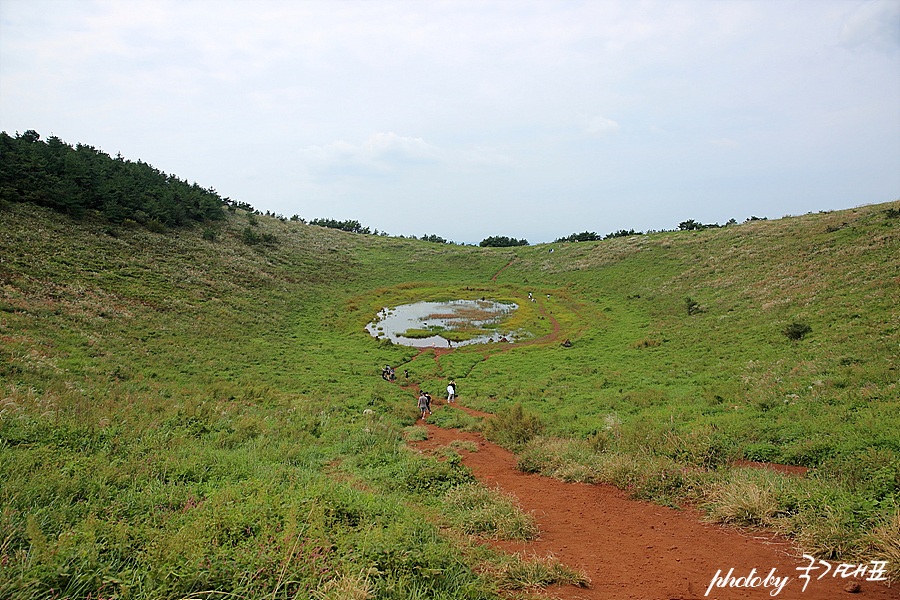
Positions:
{"x": 477, "y": 510}
{"x": 182, "y": 413}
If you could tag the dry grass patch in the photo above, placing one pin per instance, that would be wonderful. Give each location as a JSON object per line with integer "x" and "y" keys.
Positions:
{"x": 522, "y": 572}
{"x": 747, "y": 499}
{"x": 354, "y": 586}
{"x": 884, "y": 544}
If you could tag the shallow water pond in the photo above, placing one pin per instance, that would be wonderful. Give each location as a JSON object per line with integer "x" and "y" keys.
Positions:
{"x": 444, "y": 324}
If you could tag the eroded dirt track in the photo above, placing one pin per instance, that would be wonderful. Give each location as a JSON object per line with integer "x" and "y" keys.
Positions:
{"x": 638, "y": 550}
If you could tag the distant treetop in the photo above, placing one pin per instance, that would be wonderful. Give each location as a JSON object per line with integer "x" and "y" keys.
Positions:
{"x": 76, "y": 179}
{"x": 351, "y": 226}
{"x": 586, "y": 236}
{"x": 500, "y": 241}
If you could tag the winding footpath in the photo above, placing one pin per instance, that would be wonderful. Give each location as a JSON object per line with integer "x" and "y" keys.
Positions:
{"x": 640, "y": 551}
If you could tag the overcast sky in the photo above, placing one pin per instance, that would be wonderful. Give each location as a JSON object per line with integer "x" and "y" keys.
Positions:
{"x": 471, "y": 119}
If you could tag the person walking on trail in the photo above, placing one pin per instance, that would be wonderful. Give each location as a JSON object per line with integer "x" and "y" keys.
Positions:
{"x": 423, "y": 404}
{"x": 451, "y": 391}
{"x": 428, "y": 397}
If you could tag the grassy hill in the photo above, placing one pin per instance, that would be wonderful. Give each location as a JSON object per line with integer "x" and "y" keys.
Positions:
{"x": 183, "y": 411}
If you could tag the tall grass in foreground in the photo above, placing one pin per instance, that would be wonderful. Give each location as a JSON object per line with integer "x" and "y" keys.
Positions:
{"x": 221, "y": 499}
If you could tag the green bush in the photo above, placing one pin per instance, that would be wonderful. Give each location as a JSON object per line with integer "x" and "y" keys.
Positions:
{"x": 431, "y": 476}
{"x": 477, "y": 510}
{"x": 691, "y": 306}
{"x": 155, "y": 226}
{"x": 513, "y": 427}
{"x": 795, "y": 330}
{"x": 250, "y": 237}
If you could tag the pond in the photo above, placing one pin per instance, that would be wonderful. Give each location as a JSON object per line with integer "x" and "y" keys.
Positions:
{"x": 444, "y": 324}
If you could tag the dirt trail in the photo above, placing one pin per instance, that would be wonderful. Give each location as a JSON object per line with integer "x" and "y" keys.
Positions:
{"x": 494, "y": 278}
{"x": 637, "y": 550}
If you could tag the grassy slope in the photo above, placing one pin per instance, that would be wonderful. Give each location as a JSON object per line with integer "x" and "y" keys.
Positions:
{"x": 729, "y": 364}
{"x": 151, "y": 380}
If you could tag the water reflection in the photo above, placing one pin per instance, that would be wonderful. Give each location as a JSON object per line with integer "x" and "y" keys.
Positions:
{"x": 437, "y": 323}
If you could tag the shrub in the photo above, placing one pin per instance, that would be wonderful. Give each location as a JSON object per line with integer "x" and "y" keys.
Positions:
{"x": 478, "y": 510}
{"x": 430, "y": 475}
{"x": 761, "y": 452}
{"x": 567, "y": 460}
{"x": 466, "y": 445}
{"x": 250, "y": 237}
{"x": 155, "y": 226}
{"x": 796, "y": 330}
{"x": 646, "y": 343}
{"x": 521, "y": 572}
{"x": 210, "y": 235}
{"x": 415, "y": 433}
{"x": 456, "y": 419}
{"x": 513, "y": 427}
{"x": 691, "y": 306}
{"x": 748, "y": 498}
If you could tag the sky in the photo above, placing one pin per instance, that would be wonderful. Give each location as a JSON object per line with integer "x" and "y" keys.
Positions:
{"x": 466, "y": 120}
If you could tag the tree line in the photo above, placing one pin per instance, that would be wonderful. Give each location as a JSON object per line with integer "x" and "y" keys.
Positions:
{"x": 74, "y": 180}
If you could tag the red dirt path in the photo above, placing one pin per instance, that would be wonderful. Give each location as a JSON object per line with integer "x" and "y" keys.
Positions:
{"x": 637, "y": 550}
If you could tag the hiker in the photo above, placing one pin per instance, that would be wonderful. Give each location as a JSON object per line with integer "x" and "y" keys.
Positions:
{"x": 391, "y": 371}
{"x": 385, "y": 373}
{"x": 428, "y": 403}
{"x": 406, "y": 373}
{"x": 451, "y": 391}
{"x": 423, "y": 404}
{"x": 567, "y": 344}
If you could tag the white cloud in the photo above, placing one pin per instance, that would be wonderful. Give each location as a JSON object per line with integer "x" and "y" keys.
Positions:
{"x": 601, "y": 126}
{"x": 875, "y": 23}
{"x": 390, "y": 146}
{"x": 384, "y": 153}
